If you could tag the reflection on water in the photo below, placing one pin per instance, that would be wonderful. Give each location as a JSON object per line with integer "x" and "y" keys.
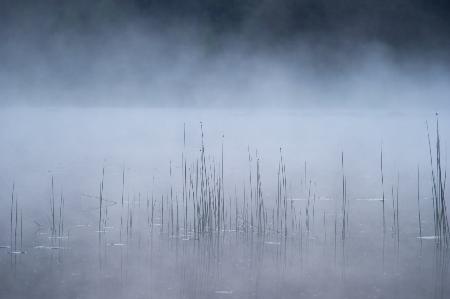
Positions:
{"x": 213, "y": 204}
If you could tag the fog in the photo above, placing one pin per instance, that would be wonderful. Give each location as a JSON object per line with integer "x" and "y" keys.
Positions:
{"x": 186, "y": 55}
{"x": 211, "y": 150}
{"x": 177, "y": 70}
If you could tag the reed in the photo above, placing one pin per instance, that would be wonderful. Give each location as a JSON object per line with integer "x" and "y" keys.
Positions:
{"x": 418, "y": 203}
{"x": 438, "y": 177}
{"x": 382, "y": 189}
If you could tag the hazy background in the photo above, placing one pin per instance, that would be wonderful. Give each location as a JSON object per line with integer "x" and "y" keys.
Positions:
{"x": 225, "y": 53}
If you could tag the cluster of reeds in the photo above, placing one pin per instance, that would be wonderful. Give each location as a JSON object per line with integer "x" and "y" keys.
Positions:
{"x": 438, "y": 178}
{"x": 56, "y": 213}
{"x": 345, "y": 202}
{"x": 16, "y": 225}
{"x": 202, "y": 207}
{"x": 282, "y": 197}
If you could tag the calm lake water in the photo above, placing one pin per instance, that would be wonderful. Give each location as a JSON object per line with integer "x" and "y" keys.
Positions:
{"x": 204, "y": 203}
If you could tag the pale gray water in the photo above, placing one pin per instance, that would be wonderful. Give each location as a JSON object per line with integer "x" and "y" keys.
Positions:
{"x": 152, "y": 261}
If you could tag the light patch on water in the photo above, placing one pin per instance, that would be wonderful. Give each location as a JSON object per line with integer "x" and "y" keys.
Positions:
{"x": 224, "y": 292}
{"x": 55, "y": 247}
{"x": 272, "y": 243}
{"x": 428, "y": 237}
{"x": 58, "y": 237}
{"x": 117, "y": 244}
{"x": 369, "y": 199}
{"x": 48, "y": 247}
{"x": 325, "y": 198}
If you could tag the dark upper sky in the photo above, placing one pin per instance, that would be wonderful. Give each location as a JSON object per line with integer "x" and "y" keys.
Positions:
{"x": 401, "y": 24}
